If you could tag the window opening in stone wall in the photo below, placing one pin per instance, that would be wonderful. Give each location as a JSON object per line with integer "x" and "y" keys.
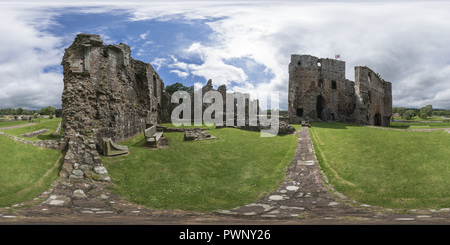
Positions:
{"x": 300, "y": 112}
{"x": 319, "y": 64}
{"x": 368, "y": 77}
{"x": 333, "y": 85}
{"x": 319, "y": 106}
{"x": 320, "y": 83}
{"x": 154, "y": 87}
{"x": 299, "y": 63}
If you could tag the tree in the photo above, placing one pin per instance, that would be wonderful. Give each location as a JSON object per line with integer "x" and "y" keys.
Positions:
{"x": 401, "y": 111}
{"x": 426, "y": 111}
{"x": 408, "y": 114}
{"x": 394, "y": 110}
{"x": 178, "y": 87}
{"x": 49, "y": 110}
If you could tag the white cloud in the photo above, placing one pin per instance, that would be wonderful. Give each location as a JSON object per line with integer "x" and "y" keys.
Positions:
{"x": 144, "y": 35}
{"x": 407, "y": 43}
{"x": 24, "y": 54}
{"x": 181, "y": 74}
{"x": 198, "y": 86}
{"x": 158, "y": 62}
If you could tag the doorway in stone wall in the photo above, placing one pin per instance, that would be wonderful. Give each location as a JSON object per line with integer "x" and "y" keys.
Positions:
{"x": 319, "y": 106}
{"x": 377, "y": 120}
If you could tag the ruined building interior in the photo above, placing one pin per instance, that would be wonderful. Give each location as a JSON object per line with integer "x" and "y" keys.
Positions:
{"x": 319, "y": 91}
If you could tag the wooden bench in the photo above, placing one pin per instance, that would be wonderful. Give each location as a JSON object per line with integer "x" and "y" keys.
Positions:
{"x": 152, "y": 136}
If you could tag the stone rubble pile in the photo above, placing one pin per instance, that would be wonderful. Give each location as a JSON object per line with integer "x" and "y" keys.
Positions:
{"x": 197, "y": 135}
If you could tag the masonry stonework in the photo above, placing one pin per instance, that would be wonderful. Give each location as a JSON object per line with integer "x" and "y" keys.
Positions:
{"x": 319, "y": 91}
{"x": 106, "y": 93}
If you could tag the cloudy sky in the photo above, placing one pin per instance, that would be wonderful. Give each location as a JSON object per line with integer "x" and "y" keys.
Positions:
{"x": 243, "y": 44}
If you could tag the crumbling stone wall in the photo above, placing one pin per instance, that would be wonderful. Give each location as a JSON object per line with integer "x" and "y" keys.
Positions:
{"x": 106, "y": 93}
{"x": 224, "y": 94}
{"x": 319, "y": 91}
{"x": 373, "y": 98}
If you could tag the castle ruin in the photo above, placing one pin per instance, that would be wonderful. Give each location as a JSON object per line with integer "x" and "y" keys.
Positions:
{"x": 108, "y": 94}
{"x": 319, "y": 91}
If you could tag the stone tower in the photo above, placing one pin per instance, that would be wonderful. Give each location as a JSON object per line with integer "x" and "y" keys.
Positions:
{"x": 319, "y": 91}
{"x": 107, "y": 94}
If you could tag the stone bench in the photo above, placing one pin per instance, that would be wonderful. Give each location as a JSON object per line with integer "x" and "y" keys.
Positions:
{"x": 152, "y": 136}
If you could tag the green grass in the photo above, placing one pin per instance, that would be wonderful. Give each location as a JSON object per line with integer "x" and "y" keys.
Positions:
{"x": 391, "y": 169}
{"x": 50, "y": 124}
{"x": 419, "y": 119}
{"x": 417, "y": 125}
{"x": 11, "y": 123}
{"x": 25, "y": 171}
{"x": 235, "y": 169}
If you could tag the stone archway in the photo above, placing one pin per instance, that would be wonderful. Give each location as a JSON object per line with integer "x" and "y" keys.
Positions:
{"x": 377, "y": 120}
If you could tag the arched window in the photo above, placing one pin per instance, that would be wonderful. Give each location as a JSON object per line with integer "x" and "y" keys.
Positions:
{"x": 320, "y": 83}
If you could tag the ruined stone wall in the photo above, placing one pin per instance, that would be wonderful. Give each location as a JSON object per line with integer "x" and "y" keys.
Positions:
{"x": 373, "y": 98}
{"x": 223, "y": 92}
{"x": 106, "y": 93}
{"x": 319, "y": 91}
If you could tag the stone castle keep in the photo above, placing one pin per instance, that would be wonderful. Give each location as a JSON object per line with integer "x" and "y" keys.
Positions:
{"x": 110, "y": 96}
{"x": 319, "y": 91}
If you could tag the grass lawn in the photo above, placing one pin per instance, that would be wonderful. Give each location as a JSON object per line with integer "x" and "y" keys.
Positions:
{"x": 391, "y": 169}
{"x": 418, "y": 119}
{"x": 419, "y": 125}
{"x": 25, "y": 171}
{"x": 50, "y": 124}
{"x": 11, "y": 123}
{"x": 235, "y": 169}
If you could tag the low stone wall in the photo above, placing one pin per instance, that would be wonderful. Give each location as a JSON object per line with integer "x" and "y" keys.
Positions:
{"x": 167, "y": 129}
{"x": 35, "y": 133}
{"x": 50, "y": 144}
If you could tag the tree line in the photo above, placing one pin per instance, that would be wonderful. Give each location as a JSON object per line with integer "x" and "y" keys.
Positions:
{"x": 423, "y": 112}
{"x": 49, "y": 110}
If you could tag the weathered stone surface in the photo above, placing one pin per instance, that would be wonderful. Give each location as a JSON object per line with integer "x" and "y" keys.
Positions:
{"x": 197, "y": 135}
{"x": 79, "y": 194}
{"x": 319, "y": 91}
{"x": 35, "y": 133}
{"x": 100, "y": 170}
{"x": 109, "y": 148}
{"x": 285, "y": 128}
{"x": 108, "y": 94}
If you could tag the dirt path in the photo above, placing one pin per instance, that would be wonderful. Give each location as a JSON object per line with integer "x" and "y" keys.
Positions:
{"x": 17, "y": 126}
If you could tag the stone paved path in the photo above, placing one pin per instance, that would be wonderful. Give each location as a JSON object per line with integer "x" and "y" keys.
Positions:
{"x": 303, "y": 198}
{"x": 304, "y": 195}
